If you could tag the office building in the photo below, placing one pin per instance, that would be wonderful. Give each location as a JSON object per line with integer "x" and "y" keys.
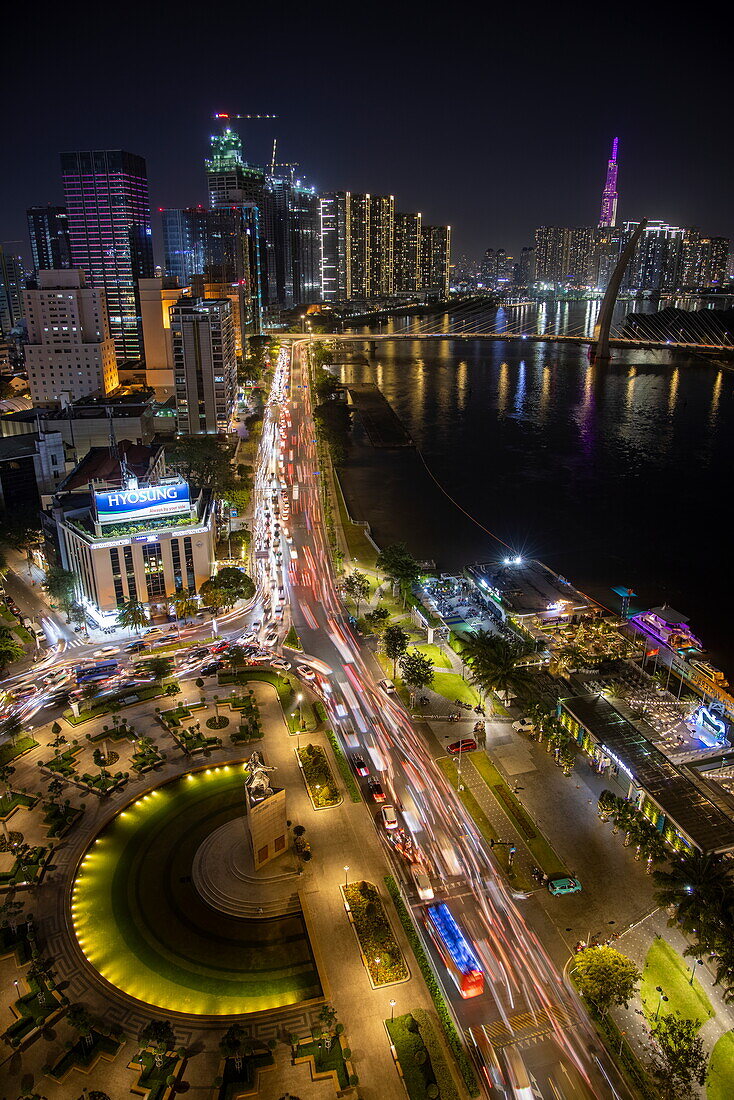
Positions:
{"x": 12, "y": 285}
{"x": 564, "y": 255}
{"x": 333, "y": 209}
{"x": 305, "y": 234}
{"x": 608, "y": 212}
{"x": 129, "y": 530}
{"x": 407, "y": 254}
{"x": 48, "y": 228}
{"x": 70, "y": 350}
{"x": 106, "y": 193}
{"x": 205, "y": 364}
{"x": 704, "y": 261}
{"x": 436, "y": 260}
{"x": 157, "y": 296}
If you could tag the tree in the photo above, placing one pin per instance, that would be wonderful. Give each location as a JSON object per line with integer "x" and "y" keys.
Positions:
{"x": 416, "y": 670}
{"x": 213, "y": 596}
{"x": 235, "y": 656}
{"x": 377, "y": 618}
{"x": 133, "y": 615}
{"x": 678, "y": 1059}
{"x": 89, "y": 693}
{"x": 395, "y": 641}
{"x": 12, "y": 727}
{"x": 203, "y": 459}
{"x": 397, "y": 564}
{"x": 695, "y": 887}
{"x": 22, "y": 532}
{"x": 184, "y": 604}
{"x": 158, "y": 1034}
{"x": 235, "y": 584}
{"x": 158, "y": 667}
{"x": 232, "y": 1044}
{"x": 605, "y": 977}
{"x": 61, "y": 585}
{"x": 82, "y": 1022}
{"x": 10, "y": 649}
{"x": 6, "y": 773}
{"x": 357, "y": 586}
{"x": 492, "y": 662}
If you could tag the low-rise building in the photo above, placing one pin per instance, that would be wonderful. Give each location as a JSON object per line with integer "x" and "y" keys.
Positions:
{"x": 31, "y": 468}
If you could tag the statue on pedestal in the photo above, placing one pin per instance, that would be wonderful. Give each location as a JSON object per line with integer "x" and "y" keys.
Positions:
{"x": 258, "y": 781}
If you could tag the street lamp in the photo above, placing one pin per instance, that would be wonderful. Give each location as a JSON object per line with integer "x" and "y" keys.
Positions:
{"x": 377, "y": 970}
{"x": 392, "y": 1010}
{"x": 299, "y": 699}
{"x": 346, "y": 875}
{"x": 659, "y": 989}
{"x": 696, "y": 962}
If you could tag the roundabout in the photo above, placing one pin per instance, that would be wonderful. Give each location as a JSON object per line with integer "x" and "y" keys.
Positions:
{"x": 143, "y": 925}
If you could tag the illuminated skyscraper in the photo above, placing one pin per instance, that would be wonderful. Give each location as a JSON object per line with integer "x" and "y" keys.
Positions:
{"x": 608, "y": 215}
{"x": 407, "y": 253}
{"x": 107, "y": 202}
{"x": 436, "y": 260}
{"x": 48, "y": 227}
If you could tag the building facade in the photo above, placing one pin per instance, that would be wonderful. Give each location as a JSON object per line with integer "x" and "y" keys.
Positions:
{"x": 381, "y": 246}
{"x": 407, "y": 254}
{"x": 70, "y": 350}
{"x": 608, "y": 212}
{"x": 12, "y": 285}
{"x": 157, "y": 296}
{"x": 436, "y": 260}
{"x": 31, "y": 467}
{"x": 48, "y": 228}
{"x": 205, "y": 364}
{"x": 564, "y": 255}
{"x": 106, "y": 193}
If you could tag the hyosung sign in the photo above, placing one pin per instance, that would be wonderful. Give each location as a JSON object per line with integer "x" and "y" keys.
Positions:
{"x": 146, "y": 502}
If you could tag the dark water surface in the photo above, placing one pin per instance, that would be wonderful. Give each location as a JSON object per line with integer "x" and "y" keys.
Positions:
{"x": 617, "y": 475}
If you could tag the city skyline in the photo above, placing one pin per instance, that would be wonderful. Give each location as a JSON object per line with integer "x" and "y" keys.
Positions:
{"x": 441, "y": 144}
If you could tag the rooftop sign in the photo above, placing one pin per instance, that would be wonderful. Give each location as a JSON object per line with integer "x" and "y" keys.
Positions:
{"x": 147, "y": 502}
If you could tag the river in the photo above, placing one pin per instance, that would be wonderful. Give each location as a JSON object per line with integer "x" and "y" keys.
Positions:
{"x": 615, "y": 475}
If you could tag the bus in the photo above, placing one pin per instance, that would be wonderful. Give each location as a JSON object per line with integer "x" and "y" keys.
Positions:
{"x": 455, "y": 950}
{"x": 87, "y": 674}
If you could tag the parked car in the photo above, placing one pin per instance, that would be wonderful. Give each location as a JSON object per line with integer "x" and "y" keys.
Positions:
{"x": 563, "y": 884}
{"x": 467, "y": 744}
{"x": 523, "y": 725}
{"x": 388, "y": 686}
{"x": 378, "y": 795}
{"x": 389, "y": 817}
{"x": 360, "y": 767}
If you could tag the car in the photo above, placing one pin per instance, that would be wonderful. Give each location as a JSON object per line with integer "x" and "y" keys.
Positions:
{"x": 389, "y": 817}
{"x": 210, "y": 668}
{"x": 466, "y": 744}
{"x": 153, "y": 632}
{"x": 283, "y": 665}
{"x": 563, "y": 884}
{"x": 220, "y": 647}
{"x": 360, "y": 767}
{"x": 256, "y": 624}
{"x": 523, "y": 725}
{"x": 137, "y": 646}
{"x": 198, "y": 652}
{"x": 305, "y": 672}
{"x": 422, "y": 882}
{"x": 378, "y": 795}
{"x": 387, "y": 686}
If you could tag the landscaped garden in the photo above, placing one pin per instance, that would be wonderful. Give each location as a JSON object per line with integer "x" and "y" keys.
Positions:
{"x": 142, "y": 924}
{"x": 317, "y": 774}
{"x": 664, "y": 967}
{"x": 721, "y": 1069}
{"x": 425, "y": 1073}
{"x": 382, "y": 954}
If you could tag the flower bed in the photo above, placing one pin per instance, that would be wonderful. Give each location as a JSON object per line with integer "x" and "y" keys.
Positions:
{"x": 152, "y": 1077}
{"x": 374, "y": 933}
{"x": 59, "y": 819}
{"x": 317, "y": 774}
{"x": 343, "y": 765}
{"x": 325, "y": 1060}
{"x": 29, "y": 1012}
{"x": 16, "y": 799}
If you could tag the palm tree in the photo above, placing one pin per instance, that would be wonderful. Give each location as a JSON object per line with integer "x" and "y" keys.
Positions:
{"x": 157, "y": 1034}
{"x": 82, "y": 1022}
{"x": 232, "y": 1044}
{"x": 695, "y": 887}
{"x": 184, "y": 604}
{"x": 133, "y": 614}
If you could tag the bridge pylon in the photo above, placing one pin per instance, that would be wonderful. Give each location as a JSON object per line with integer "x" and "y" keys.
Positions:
{"x": 600, "y": 346}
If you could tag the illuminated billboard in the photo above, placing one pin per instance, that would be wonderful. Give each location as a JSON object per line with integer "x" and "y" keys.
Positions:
{"x": 148, "y": 502}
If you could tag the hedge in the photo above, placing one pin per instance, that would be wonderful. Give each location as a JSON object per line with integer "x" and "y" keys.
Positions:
{"x": 343, "y": 765}
{"x": 447, "y": 1023}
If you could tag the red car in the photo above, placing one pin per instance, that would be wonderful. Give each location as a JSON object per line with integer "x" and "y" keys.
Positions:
{"x": 360, "y": 767}
{"x": 378, "y": 795}
{"x": 467, "y": 744}
{"x": 220, "y": 647}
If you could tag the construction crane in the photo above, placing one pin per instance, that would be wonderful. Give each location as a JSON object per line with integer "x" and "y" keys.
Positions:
{"x": 224, "y": 117}
{"x": 274, "y": 164}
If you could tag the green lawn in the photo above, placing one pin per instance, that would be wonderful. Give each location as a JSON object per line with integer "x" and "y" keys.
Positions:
{"x": 482, "y": 822}
{"x": 142, "y": 924}
{"x": 539, "y": 847}
{"x": 451, "y": 686}
{"x": 721, "y": 1069}
{"x": 9, "y": 751}
{"x": 666, "y": 968}
{"x": 435, "y": 654}
{"x": 359, "y": 545}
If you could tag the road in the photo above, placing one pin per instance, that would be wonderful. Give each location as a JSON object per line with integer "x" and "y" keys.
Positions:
{"x": 526, "y": 1003}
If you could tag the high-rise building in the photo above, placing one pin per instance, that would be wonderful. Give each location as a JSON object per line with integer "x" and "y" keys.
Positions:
{"x": 407, "y": 253}
{"x": 704, "y": 260}
{"x": 656, "y": 263}
{"x": 333, "y": 210}
{"x": 436, "y": 260}
{"x": 205, "y": 364}
{"x": 198, "y": 241}
{"x": 305, "y": 231}
{"x": 564, "y": 255}
{"x": 526, "y": 267}
{"x": 70, "y": 350}
{"x": 48, "y": 227}
{"x": 381, "y": 238}
{"x": 106, "y": 194}
{"x": 157, "y": 296}
{"x": 608, "y": 213}
{"x": 12, "y": 284}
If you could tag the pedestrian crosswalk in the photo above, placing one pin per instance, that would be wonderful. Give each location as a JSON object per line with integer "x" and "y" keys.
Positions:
{"x": 524, "y": 1026}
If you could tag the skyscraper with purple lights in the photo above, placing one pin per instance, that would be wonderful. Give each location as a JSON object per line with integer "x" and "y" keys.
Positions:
{"x": 608, "y": 215}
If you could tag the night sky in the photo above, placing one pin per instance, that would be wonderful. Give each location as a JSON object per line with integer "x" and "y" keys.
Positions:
{"x": 492, "y": 122}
